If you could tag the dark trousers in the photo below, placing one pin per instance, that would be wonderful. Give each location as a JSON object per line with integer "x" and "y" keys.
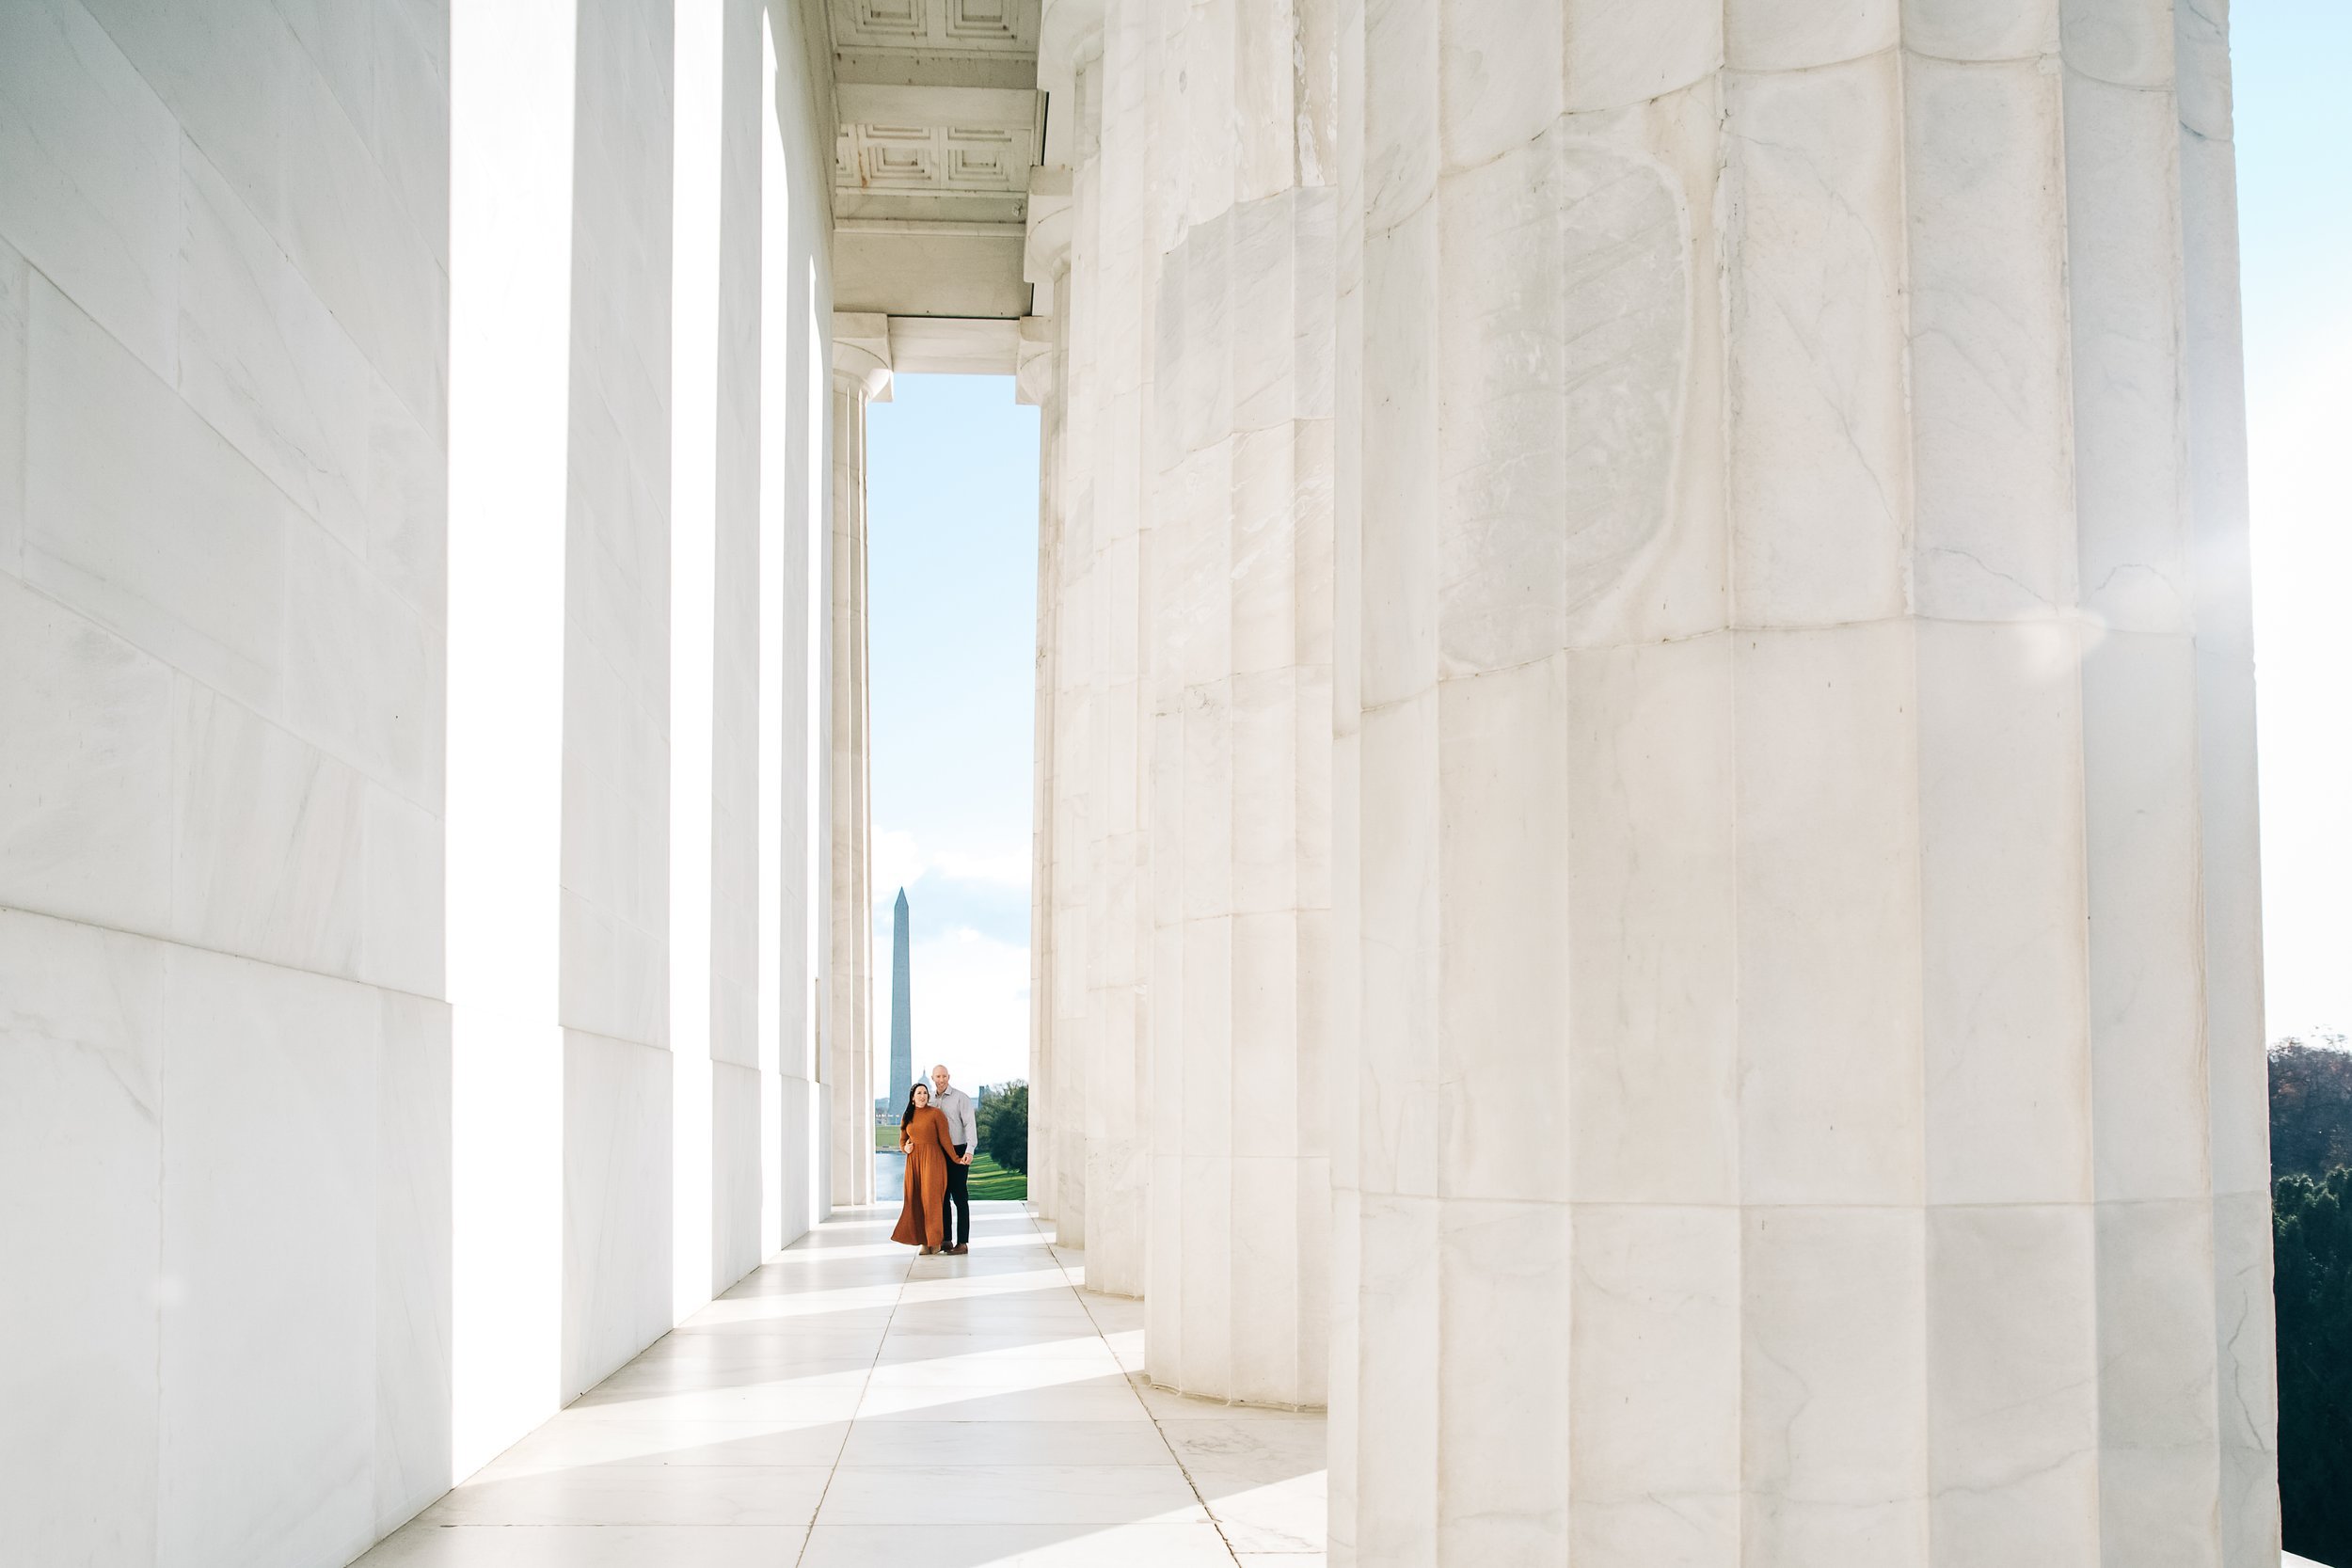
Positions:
{"x": 954, "y": 1205}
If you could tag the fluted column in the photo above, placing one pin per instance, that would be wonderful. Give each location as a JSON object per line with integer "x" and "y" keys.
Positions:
{"x": 861, "y": 375}
{"x": 1076, "y": 655}
{"x": 1239, "y": 615}
{"x": 1042, "y": 381}
{"x": 1041, "y": 869}
{"x": 1115, "y": 190}
{"x": 1809, "y": 1108}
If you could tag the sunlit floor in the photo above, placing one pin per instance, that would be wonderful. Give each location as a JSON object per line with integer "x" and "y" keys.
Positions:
{"x": 852, "y": 1405}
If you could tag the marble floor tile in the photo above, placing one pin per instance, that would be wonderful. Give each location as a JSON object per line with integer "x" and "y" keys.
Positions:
{"x": 1113, "y": 1314}
{"x": 907, "y": 1346}
{"x": 1008, "y": 1283}
{"x": 799, "y": 1401}
{"x": 639, "y": 1495}
{"x": 820, "y": 1307}
{"x": 924, "y": 1443}
{"x": 1015, "y": 1546}
{"x": 1167, "y": 1406}
{"x": 1250, "y": 1446}
{"x": 421, "y": 1545}
{"x": 565, "y": 1443}
{"x": 673, "y": 1375}
{"x": 1261, "y": 1473}
{"x": 848, "y": 1389}
{"x": 1011, "y": 1495}
{"x": 1101, "y": 1400}
{"x": 766, "y": 1346}
{"x": 1286, "y": 1515}
{"x": 1006, "y": 1373}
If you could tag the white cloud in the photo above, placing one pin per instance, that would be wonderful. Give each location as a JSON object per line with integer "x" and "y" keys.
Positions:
{"x": 2302, "y": 475}
{"x": 899, "y": 861}
{"x": 1006, "y": 869}
{"x": 971, "y": 1007}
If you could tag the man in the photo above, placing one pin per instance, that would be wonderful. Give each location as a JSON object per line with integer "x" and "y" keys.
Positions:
{"x": 964, "y": 1131}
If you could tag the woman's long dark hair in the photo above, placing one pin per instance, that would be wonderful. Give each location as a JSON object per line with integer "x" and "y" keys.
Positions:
{"x": 908, "y": 1114}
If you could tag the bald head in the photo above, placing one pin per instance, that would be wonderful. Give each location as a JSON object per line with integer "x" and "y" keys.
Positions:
{"x": 939, "y": 1078}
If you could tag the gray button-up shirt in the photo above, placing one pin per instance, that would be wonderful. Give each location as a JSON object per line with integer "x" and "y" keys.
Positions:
{"x": 963, "y": 1128}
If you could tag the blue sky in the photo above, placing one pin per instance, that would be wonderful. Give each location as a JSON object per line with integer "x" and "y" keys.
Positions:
{"x": 953, "y": 516}
{"x": 2295, "y": 223}
{"x": 952, "y": 520}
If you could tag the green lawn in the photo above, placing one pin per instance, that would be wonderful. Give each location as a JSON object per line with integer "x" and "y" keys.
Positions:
{"x": 993, "y": 1181}
{"x": 989, "y": 1180}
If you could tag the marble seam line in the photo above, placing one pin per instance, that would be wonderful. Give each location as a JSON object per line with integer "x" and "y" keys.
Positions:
{"x": 437, "y": 810}
{"x": 1173, "y": 1457}
{"x": 2062, "y": 616}
{"x": 898, "y": 1295}
{"x": 1447, "y": 171}
{"x": 239, "y": 958}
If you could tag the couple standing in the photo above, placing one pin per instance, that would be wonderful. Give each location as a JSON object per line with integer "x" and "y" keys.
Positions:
{"x": 938, "y": 1134}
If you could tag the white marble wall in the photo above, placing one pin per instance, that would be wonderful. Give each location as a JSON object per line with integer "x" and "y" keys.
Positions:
{"x": 1798, "y": 753}
{"x": 224, "y": 1062}
{"x": 336, "y": 1161}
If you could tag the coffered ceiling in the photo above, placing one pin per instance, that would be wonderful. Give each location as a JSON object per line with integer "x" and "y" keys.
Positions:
{"x": 938, "y": 124}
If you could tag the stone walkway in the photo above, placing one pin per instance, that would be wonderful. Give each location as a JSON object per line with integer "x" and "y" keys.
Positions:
{"x": 851, "y": 1404}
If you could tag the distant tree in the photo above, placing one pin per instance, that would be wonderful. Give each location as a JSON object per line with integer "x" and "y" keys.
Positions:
{"x": 1004, "y": 1117}
{"x": 2311, "y": 1106}
{"x": 2312, "y": 1249}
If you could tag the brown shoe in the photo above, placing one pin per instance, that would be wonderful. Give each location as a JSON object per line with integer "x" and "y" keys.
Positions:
{"x": 956, "y": 1251}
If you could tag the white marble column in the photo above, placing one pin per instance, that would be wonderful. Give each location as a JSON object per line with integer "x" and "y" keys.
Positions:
{"x": 1809, "y": 1107}
{"x": 1114, "y": 193}
{"x": 861, "y": 375}
{"x": 1239, "y": 602}
{"x": 1060, "y": 1121}
{"x": 1041, "y": 1036}
{"x": 1041, "y": 381}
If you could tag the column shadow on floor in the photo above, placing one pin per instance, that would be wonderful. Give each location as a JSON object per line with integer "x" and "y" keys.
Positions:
{"x": 849, "y": 1404}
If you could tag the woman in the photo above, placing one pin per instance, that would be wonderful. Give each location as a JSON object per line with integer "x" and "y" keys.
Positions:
{"x": 923, "y": 1139}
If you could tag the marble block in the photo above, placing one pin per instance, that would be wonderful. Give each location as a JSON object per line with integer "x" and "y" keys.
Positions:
{"x": 85, "y": 816}
{"x": 90, "y": 158}
{"x": 82, "y": 1025}
{"x": 119, "y": 475}
{"x": 616, "y": 1203}
{"x": 16, "y": 282}
{"x": 267, "y": 1359}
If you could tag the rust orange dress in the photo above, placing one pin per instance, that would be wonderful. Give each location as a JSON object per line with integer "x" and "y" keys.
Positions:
{"x": 929, "y": 1153}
